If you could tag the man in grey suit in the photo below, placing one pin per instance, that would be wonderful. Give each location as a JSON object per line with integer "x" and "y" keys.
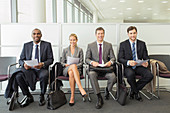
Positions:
{"x": 27, "y": 75}
{"x": 100, "y": 53}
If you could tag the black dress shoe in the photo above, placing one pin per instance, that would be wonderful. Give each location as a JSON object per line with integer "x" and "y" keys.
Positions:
{"x": 138, "y": 97}
{"x": 99, "y": 103}
{"x": 106, "y": 94}
{"x": 27, "y": 101}
{"x": 131, "y": 96}
{"x": 42, "y": 100}
{"x": 12, "y": 101}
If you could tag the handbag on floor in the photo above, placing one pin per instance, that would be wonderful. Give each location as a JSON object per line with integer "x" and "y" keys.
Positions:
{"x": 56, "y": 97}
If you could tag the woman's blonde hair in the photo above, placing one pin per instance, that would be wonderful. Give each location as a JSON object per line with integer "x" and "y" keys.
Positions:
{"x": 73, "y": 35}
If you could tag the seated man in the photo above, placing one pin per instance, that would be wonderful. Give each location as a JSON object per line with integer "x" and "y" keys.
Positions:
{"x": 27, "y": 76}
{"x": 130, "y": 51}
{"x": 100, "y": 52}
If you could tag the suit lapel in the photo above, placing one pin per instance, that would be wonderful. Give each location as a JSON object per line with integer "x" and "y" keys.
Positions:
{"x": 75, "y": 51}
{"x": 41, "y": 50}
{"x": 30, "y": 51}
{"x": 129, "y": 48}
{"x": 138, "y": 47}
{"x": 97, "y": 51}
{"x": 104, "y": 50}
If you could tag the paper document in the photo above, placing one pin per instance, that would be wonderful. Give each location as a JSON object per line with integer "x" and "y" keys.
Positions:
{"x": 31, "y": 63}
{"x": 140, "y": 62}
{"x": 72, "y": 60}
{"x": 102, "y": 65}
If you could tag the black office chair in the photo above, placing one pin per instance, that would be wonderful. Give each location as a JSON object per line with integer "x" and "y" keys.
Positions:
{"x": 115, "y": 69}
{"x": 149, "y": 95}
{"x": 166, "y": 60}
{"x": 11, "y": 68}
{"x": 5, "y": 70}
{"x": 60, "y": 76}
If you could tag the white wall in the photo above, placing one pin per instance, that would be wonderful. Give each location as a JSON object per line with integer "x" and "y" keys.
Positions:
{"x": 13, "y": 36}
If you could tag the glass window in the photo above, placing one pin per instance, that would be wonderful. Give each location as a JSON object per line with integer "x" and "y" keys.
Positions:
{"x": 24, "y": 13}
{"x": 76, "y": 15}
{"x": 49, "y": 11}
{"x": 5, "y": 11}
{"x": 69, "y": 12}
{"x": 81, "y": 17}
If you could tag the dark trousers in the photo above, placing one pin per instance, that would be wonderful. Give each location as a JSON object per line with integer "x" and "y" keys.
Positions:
{"x": 42, "y": 76}
{"x": 142, "y": 71}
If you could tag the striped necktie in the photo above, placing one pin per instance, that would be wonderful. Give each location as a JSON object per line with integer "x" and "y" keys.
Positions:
{"x": 133, "y": 54}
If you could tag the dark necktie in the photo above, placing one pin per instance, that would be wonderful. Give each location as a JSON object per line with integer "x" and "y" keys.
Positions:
{"x": 100, "y": 54}
{"x": 133, "y": 53}
{"x": 37, "y": 53}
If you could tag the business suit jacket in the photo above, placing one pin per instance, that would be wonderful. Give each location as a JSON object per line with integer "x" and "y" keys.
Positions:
{"x": 46, "y": 54}
{"x": 78, "y": 53}
{"x": 125, "y": 51}
{"x": 30, "y": 76}
{"x": 92, "y": 53}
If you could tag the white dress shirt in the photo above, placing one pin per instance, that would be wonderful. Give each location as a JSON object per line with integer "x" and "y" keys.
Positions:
{"x": 33, "y": 50}
{"x": 132, "y": 48}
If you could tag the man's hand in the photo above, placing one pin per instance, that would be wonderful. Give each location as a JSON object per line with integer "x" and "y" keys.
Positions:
{"x": 95, "y": 64}
{"x": 26, "y": 66}
{"x": 145, "y": 64}
{"x": 108, "y": 64}
{"x": 39, "y": 66}
{"x": 66, "y": 65}
{"x": 132, "y": 63}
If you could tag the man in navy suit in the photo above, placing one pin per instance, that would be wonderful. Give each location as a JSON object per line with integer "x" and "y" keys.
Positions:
{"x": 130, "y": 51}
{"x": 27, "y": 76}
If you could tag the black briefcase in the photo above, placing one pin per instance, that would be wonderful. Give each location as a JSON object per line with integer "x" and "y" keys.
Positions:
{"x": 122, "y": 94}
{"x": 56, "y": 97}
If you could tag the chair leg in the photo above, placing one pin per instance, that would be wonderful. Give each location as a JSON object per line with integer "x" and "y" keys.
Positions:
{"x": 89, "y": 98}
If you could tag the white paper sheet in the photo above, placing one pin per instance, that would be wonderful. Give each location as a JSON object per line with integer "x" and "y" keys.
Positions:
{"x": 102, "y": 65}
{"x": 31, "y": 63}
{"x": 72, "y": 60}
{"x": 140, "y": 62}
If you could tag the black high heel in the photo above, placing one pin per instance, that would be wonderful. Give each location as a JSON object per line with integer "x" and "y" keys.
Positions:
{"x": 71, "y": 104}
{"x": 84, "y": 97}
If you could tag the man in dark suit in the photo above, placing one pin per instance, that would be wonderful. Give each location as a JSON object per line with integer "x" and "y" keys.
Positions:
{"x": 27, "y": 76}
{"x": 130, "y": 51}
{"x": 100, "y": 52}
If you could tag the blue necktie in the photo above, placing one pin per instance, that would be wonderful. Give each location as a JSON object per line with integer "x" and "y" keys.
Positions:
{"x": 37, "y": 53}
{"x": 133, "y": 54}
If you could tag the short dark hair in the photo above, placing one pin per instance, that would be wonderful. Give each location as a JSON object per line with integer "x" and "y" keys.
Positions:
{"x": 131, "y": 28}
{"x": 36, "y": 29}
{"x": 98, "y": 29}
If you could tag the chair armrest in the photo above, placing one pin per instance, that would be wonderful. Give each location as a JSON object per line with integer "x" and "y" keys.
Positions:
{"x": 9, "y": 68}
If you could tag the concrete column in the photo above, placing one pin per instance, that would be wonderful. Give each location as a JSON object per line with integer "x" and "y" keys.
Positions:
{"x": 38, "y": 11}
{"x": 95, "y": 17}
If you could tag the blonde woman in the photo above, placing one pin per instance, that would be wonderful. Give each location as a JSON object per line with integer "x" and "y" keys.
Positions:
{"x": 73, "y": 71}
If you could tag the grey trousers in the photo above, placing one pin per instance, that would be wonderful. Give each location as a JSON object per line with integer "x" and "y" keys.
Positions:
{"x": 94, "y": 81}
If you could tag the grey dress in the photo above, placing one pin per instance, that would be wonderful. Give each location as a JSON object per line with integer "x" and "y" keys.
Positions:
{"x": 78, "y": 53}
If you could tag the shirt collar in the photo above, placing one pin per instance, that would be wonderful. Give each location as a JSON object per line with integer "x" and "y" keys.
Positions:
{"x": 99, "y": 43}
{"x": 132, "y": 42}
{"x": 37, "y": 44}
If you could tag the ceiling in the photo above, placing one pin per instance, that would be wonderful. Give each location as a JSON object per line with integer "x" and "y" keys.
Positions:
{"x": 130, "y": 10}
